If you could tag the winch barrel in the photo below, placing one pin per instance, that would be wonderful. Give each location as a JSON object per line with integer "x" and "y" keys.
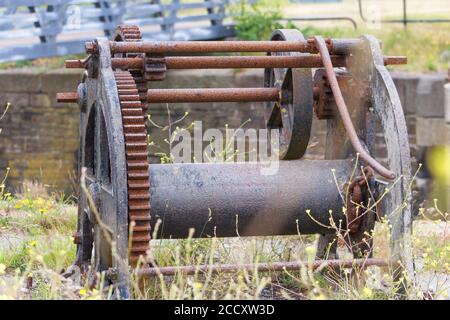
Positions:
{"x": 237, "y": 199}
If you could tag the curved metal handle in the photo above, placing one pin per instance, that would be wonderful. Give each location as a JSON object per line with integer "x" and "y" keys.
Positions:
{"x": 343, "y": 112}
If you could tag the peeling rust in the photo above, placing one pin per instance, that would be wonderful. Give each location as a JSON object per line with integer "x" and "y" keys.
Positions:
{"x": 67, "y": 97}
{"x": 212, "y": 95}
{"x": 395, "y": 60}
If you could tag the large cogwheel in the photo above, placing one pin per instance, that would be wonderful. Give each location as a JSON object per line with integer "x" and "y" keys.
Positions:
{"x": 135, "y": 134}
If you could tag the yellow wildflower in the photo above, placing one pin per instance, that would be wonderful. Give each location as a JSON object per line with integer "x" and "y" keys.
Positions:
{"x": 309, "y": 250}
{"x": 367, "y": 292}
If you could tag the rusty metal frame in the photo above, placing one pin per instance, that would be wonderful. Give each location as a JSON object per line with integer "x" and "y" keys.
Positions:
{"x": 188, "y": 186}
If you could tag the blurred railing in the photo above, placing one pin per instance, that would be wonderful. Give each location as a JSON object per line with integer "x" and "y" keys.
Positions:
{"x": 41, "y": 28}
{"x": 404, "y": 20}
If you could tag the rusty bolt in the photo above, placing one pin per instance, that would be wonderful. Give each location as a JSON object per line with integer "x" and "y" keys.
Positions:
{"x": 77, "y": 238}
{"x": 74, "y": 64}
{"x": 91, "y": 47}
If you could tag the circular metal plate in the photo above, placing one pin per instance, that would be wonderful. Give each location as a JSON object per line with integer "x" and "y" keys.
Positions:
{"x": 103, "y": 196}
{"x": 292, "y": 115}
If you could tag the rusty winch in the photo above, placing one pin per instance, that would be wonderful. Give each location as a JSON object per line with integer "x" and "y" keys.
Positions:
{"x": 343, "y": 81}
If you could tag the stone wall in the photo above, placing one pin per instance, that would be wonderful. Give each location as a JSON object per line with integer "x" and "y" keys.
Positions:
{"x": 39, "y": 136}
{"x": 39, "y": 140}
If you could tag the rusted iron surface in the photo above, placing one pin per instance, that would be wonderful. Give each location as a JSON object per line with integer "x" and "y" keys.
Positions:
{"x": 91, "y": 47}
{"x": 310, "y": 61}
{"x": 76, "y": 238}
{"x": 356, "y": 189}
{"x": 345, "y": 116}
{"x": 395, "y": 60}
{"x": 135, "y": 135}
{"x": 212, "y": 95}
{"x": 225, "y": 62}
{"x": 74, "y": 64}
{"x": 155, "y": 68}
{"x": 67, "y": 97}
{"x": 337, "y": 46}
{"x": 323, "y": 96}
{"x": 235, "y": 199}
{"x": 210, "y": 46}
{"x": 262, "y": 267}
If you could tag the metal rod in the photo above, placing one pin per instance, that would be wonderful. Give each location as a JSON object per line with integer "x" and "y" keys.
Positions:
{"x": 405, "y": 17}
{"x": 336, "y": 46}
{"x": 229, "y": 62}
{"x": 224, "y": 62}
{"x": 209, "y": 46}
{"x": 394, "y": 60}
{"x": 345, "y": 116}
{"x": 67, "y": 97}
{"x": 261, "y": 267}
{"x": 212, "y": 95}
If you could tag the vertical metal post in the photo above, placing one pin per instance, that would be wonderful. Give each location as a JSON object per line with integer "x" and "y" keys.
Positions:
{"x": 105, "y": 17}
{"x": 405, "y": 17}
{"x": 172, "y": 17}
{"x": 37, "y": 24}
{"x": 159, "y": 14}
{"x": 211, "y": 10}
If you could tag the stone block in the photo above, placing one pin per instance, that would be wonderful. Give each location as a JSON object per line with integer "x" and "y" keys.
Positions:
{"x": 40, "y": 100}
{"x": 432, "y": 131}
{"x": 61, "y": 80}
{"x": 430, "y": 96}
{"x": 21, "y": 80}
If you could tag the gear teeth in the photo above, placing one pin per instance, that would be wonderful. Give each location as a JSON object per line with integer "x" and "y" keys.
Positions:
{"x": 135, "y": 134}
{"x": 127, "y": 33}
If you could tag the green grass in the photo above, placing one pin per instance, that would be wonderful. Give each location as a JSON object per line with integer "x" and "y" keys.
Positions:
{"x": 43, "y": 63}
{"x": 427, "y": 49}
{"x": 427, "y": 46}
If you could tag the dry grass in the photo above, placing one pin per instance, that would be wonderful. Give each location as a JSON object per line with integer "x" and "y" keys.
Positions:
{"x": 41, "y": 250}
